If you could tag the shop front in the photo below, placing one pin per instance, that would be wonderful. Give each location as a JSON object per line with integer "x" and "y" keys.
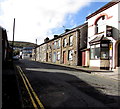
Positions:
{"x": 100, "y": 52}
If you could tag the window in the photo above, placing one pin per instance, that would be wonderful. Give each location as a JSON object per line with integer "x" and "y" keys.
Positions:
{"x": 50, "y": 55}
{"x": 64, "y": 42}
{"x": 55, "y": 43}
{"x": 70, "y": 55}
{"x": 54, "y": 57}
{"x": 95, "y": 53}
{"x": 100, "y": 25}
{"x": 58, "y": 43}
{"x": 104, "y": 51}
{"x": 58, "y": 55}
{"x": 71, "y": 40}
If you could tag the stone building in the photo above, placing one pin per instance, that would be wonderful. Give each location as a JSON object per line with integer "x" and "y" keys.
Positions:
{"x": 64, "y": 48}
{"x": 104, "y": 36}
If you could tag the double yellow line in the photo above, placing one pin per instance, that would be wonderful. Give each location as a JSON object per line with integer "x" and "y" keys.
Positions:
{"x": 33, "y": 96}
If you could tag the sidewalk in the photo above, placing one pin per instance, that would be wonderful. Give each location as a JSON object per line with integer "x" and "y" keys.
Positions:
{"x": 10, "y": 91}
{"x": 114, "y": 74}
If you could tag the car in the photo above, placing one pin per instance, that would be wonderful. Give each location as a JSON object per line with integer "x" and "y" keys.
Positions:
{"x": 16, "y": 57}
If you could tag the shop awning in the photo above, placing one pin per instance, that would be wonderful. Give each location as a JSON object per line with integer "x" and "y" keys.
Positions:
{"x": 98, "y": 39}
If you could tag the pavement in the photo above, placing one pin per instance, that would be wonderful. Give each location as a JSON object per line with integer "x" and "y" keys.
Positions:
{"x": 113, "y": 74}
{"x": 10, "y": 90}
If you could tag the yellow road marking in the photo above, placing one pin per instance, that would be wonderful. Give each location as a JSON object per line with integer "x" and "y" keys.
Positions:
{"x": 32, "y": 100}
{"x": 35, "y": 95}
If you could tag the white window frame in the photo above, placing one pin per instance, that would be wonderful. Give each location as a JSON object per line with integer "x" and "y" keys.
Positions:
{"x": 70, "y": 54}
{"x": 58, "y": 43}
{"x": 64, "y": 42}
{"x": 71, "y": 40}
{"x": 58, "y": 56}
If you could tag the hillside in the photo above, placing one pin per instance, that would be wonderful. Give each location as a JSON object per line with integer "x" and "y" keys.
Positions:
{"x": 22, "y": 44}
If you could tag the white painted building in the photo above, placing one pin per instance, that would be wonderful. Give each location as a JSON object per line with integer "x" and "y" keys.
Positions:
{"x": 104, "y": 37}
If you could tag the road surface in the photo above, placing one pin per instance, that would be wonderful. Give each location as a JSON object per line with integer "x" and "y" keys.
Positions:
{"x": 60, "y": 87}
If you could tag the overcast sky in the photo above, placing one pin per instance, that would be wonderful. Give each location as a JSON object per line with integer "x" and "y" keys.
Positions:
{"x": 38, "y": 19}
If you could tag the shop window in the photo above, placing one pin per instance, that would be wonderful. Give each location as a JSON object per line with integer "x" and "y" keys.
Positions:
{"x": 71, "y": 40}
{"x": 70, "y": 55}
{"x": 104, "y": 53}
{"x": 95, "y": 53}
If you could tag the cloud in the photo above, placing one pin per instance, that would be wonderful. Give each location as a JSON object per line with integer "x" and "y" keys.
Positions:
{"x": 37, "y": 18}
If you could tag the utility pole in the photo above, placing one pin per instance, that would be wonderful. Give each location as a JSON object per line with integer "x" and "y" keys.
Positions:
{"x": 13, "y": 37}
{"x": 36, "y": 50}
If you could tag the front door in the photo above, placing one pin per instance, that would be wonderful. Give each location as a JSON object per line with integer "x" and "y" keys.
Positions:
{"x": 64, "y": 57}
{"x": 46, "y": 57}
{"x": 83, "y": 58}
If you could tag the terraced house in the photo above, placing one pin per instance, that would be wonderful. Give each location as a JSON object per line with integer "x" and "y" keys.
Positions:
{"x": 64, "y": 48}
{"x": 93, "y": 44}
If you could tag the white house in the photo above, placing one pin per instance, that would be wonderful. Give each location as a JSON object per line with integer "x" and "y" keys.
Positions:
{"x": 104, "y": 37}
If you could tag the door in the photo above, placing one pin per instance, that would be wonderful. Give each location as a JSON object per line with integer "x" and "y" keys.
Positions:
{"x": 46, "y": 57}
{"x": 83, "y": 58}
{"x": 64, "y": 57}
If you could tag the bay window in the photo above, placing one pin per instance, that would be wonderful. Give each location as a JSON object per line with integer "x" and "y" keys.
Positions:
{"x": 100, "y": 51}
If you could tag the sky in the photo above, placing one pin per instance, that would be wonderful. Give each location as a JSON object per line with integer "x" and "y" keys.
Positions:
{"x": 38, "y": 19}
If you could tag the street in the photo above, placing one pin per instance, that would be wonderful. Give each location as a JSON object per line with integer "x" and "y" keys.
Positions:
{"x": 62, "y": 87}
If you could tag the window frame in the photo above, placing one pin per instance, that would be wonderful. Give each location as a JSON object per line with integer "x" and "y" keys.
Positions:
{"x": 104, "y": 47}
{"x": 70, "y": 55}
{"x": 97, "y": 26}
{"x": 58, "y": 43}
{"x": 58, "y": 55}
{"x": 64, "y": 42}
{"x": 93, "y": 47}
{"x": 71, "y": 40}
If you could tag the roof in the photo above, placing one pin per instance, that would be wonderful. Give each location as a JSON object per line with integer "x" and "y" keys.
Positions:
{"x": 61, "y": 35}
{"x": 99, "y": 39}
{"x": 108, "y": 5}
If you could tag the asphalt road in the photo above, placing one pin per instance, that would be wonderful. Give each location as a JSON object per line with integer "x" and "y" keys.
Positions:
{"x": 62, "y": 87}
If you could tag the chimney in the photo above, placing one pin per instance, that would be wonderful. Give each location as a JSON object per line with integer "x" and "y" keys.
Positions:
{"x": 46, "y": 39}
{"x": 66, "y": 30}
{"x": 55, "y": 36}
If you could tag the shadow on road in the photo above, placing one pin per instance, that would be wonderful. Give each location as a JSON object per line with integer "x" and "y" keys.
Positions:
{"x": 54, "y": 88}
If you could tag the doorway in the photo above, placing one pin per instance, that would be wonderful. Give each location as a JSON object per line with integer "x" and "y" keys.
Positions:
{"x": 46, "y": 57}
{"x": 83, "y": 58}
{"x": 64, "y": 57}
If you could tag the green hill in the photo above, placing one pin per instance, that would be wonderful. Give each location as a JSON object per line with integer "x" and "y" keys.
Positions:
{"x": 22, "y": 44}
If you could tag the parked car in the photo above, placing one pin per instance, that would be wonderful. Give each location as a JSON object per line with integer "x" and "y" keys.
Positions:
{"x": 16, "y": 57}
